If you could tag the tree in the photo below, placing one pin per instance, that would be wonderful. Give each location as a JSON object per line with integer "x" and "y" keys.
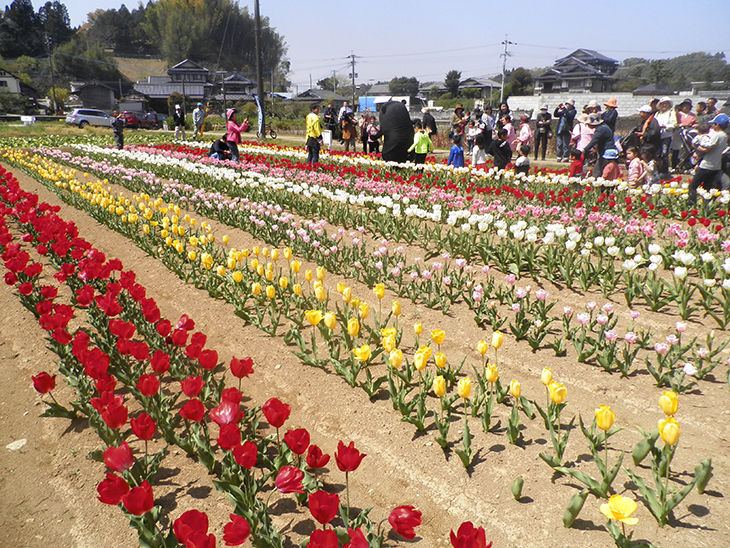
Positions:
{"x": 403, "y": 85}
{"x": 53, "y": 18}
{"x": 20, "y": 31}
{"x": 657, "y": 71}
{"x": 521, "y": 82}
{"x": 334, "y": 83}
{"x": 451, "y": 82}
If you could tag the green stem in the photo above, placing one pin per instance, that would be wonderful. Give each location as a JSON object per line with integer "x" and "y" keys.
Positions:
{"x": 347, "y": 488}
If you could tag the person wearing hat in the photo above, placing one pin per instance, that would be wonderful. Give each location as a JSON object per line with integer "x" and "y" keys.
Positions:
{"x": 198, "y": 120}
{"x": 709, "y": 171}
{"x": 457, "y": 120}
{"x": 565, "y": 113}
{"x": 543, "y": 130}
{"x": 667, "y": 120}
{"x": 611, "y": 171}
{"x": 686, "y": 120}
{"x": 650, "y": 132}
{"x": 524, "y": 137}
{"x": 602, "y": 140}
{"x": 314, "y": 134}
{"x": 610, "y": 115}
{"x": 179, "y": 120}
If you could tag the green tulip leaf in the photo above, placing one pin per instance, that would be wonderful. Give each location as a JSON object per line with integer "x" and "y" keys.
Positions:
{"x": 574, "y": 508}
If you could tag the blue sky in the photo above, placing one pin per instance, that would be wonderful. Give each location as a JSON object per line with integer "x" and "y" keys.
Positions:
{"x": 427, "y": 38}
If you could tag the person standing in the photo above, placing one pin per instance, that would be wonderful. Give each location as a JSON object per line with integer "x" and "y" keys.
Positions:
{"x": 179, "y": 120}
{"x": 234, "y": 133}
{"x": 349, "y": 131}
{"x": 457, "y": 120}
{"x": 650, "y": 134}
{"x": 198, "y": 121}
{"x": 602, "y": 140}
{"x": 543, "y": 130}
{"x": 314, "y": 134}
{"x": 118, "y": 127}
{"x": 363, "y": 129}
{"x": 422, "y": 144}
{"x": 565, "y": 114}
{"x": 330, "y": 119}
{"x": 429, "y": 122}
{"x": 524, "y": 137}
{"x": 610, "y": 115}
{"x": 666, "y": 117}
{"x": 708, "y": 172}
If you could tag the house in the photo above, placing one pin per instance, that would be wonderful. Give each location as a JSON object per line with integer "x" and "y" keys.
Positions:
{"x": 582, "y": 71}
{"x": 323, "y": 96}
{"x": 186, "y": 78}
{"x": 95, "y": 94}
{"x": 236, "y": 87}
{"x": 484, "y": 87}
{"x": 9, "y": 83}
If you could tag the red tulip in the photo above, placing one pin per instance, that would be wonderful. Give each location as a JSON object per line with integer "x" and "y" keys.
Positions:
{"x": 315, "y": 457}
{"x": 276, "y": 412}
{"x": 208, "y": 359}
{"x": 226, "y": 413}
{"x": 106, "y": 383}
{"x": 297, "y": 440}
{"x": 192, "y": 351}
{"x": 229, "y": 436}
{"x": 140, "y": 351}
{"x": 232, "y": 395}
{"x": 194, "y": 411}
{"x": 192, "y": 386}
{"x": 160, "y": 362}
{"x": 85, "y": 296}
{"x": 150, "y": 310}
{"x": 241, "y": 368}
{"x": 198, "y": 539}
{"x": 289, "y": 480}
{"x": 164, "y": 327}
{"x": 469, "y": 537}
{"x": 11, "y": 278}
{"x": 43, "y": 382}
{"x": 357, "y": 539}
{"x": 246, "y": 455}
{"x": 122, "y": 329}
{"x": 33, "y": 269}
{"x": 115, "y": 415}
{"x": 348, "y": 458}
{"x": 25, "y": 288}
{"x": 139, "y": 500}
{"x": 179, "y": 337}
{"x": 190, "y": 522}
{"x": 119, "y": 458}
{"x": 323, "y": 539}
{"x": 49, "y": 293}
{"x": 143, "y": 427}
{"x": 324, "y": 506}
{"x": 236, "y": 532}
{"x": 112, "y": 489}
{"x": 404, "y": 519}
{"x": 148, "y": 385}
{"x": 61, "y": 336}
{"x": 185, "y": 323}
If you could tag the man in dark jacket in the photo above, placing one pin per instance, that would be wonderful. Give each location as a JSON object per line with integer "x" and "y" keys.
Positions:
{"x": 118, "y": 127}
{"x": 179, "y": 120}
{"x": 565, "y": 113}
{"x": 429, "y": 122}
{"x": 330, "y": 119}
{"x": 602, "y": 140}
{"x": 650, "y": 134}
{"x": 543, "y": 130}
{"x": 397, "y": 129}
{"x": 219, "y": 149}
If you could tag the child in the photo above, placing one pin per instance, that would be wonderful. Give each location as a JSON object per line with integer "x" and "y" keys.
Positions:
{"x": 471, "y": 133}
{"x": 525, "y": 135}
{"x": 701, "y": 140}
{"x": 479, "y": 154}
{"x": 501, "y": 150}
{"x": 456, "y": 156}
{"x": 611, "y": 171}
{"x": 421, "y": 144}
{"x": 509, "y": 128}
{"x": 522, "y": 165}
{"x": 650, "y": 165}
{"x": 637, "y": 171}
{"x": 576, "y": 163}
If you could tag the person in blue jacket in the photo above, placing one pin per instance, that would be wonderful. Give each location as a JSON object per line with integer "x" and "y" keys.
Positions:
{"x": 456, "y": 156}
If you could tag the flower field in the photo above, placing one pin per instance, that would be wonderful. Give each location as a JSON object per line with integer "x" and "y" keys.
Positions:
{"x": 360, "y": 354}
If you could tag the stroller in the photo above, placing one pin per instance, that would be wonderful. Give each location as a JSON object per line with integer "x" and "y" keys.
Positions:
{"x": 684, "y": 164}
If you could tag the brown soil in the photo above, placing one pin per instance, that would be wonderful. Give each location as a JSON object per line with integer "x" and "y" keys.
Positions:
{"x": 48, "y": 488}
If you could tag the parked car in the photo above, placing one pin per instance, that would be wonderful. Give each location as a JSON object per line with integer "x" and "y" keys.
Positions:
{"x": 83, "y": 117}
{"x": 153, "y": 120}
{"x": 131, "y": 119}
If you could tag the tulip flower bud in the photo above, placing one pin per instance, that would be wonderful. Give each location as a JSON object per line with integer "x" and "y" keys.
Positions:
{"x": 362, "y": 354}
{"x": 354, "y": 302}
{"x": 669, "y": 402}
{"x": 515, "y": 389}
{"x": 314, "y": 316}
{"x": 246, "y": 252}
{"x": 440, "y": 360}
{"x": 225, "y": 240}
{"x": 270, "y": 291}
{"x": 321, "y": 272}
{"x": 256, "y": 289}
{"x": 379, "y": 291}
{"x": 420, "y": 360}
{"x": 298, "y": 290}
{"x": 353, "y": 327}
{"x": 364, "y": 310}
{"x": 347, "y": 294}
{"x": 482, "y": 347}
{"x": 296, "y": 266}
{"x": 320, "y": 294}
{"x": 426, "y": 351}
{"x": 439, "y": 386}
{"x": 308, "y": 275}
{"x": 396, "y": 358}
{"x": 497, "y": 340}
{"x": 418, "y": 328}
{"x": 558, "y": 392}
{"x": 340, "y": 287}
{"x": 269, "y": 275}
{"x": 669, "y": 430}
{"x": 438, "y": 335}
{"x": 260, "y": 270}
{"x": 255, "y": 264}
{"x": 605, "y": 417}
{"x": 283, "y": 282}
{"x": 287, "y": 253}
{"x": 492, "y": 373}
{"x": 330, "y": 320}
{"x": 237, "y": 276}
{"x": 396, "y": 308}
{"x": 256, "y": 251}
{"x": 388, "y": 344}
{"x": 265, "y": 252}
{"x": 274, "y": 254}
{"x": 547, "y": 376}
{"x": 464, "y": 388}
{"x": 192, "y": 256}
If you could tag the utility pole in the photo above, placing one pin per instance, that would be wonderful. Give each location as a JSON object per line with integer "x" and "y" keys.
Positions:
{"x": 504, "y": 66}
{"x": 53, "y": 80}
{"x": 334, "y": 81}
{"x": 353, "y": 75}
{"x": 259, "y": 69}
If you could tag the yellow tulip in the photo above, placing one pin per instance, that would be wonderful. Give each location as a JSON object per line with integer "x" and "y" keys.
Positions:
{"x": 330, "y": 320}
{"x": 388, "y": 332}
{"x": 492, "y": 373}
{"x": 260, "y": 270}
{"x": 396, "y": 358}
{"x": 295, "y": 266}
{"x": 418, "y": 328}
{"x": 620, "y": 508}
{"x": 605, "y": 417}
{"x": 256, "y": 251}
{"x": 388, "y": 344}
{"x": 464, "y": 388}
{"x": 297, "y": 290}
{"x": 362, "y": 354}
{"x": 225, "y": 240}
{"x": 482, "y": 347}
{"x": 425, "y": 350}
{"x": 420, "y": 360}
{"x": 364, "y": 310}
{"x": 320, "y": 294}
{"x": 353, "y": 327}
{"x": 669, "y": 430}
{"x": 256, "y": 288}
{"x": 314, "y": 316}
{"x": 440, "y": 360}
{"x": 547, "y": 376}
{"x": 347, "y": 294}
{"x": 237, "y": 276}
{"x": 192, "y": 255}
{"x": 265, "y": 251}
{"x": 246, "y": 252}
{"x": 287, "y": 253}
{"x": 497, "y": 340}
{"x": 146, "y": 229}
{"x": 438, "y": 335}
{"x": 379, "y": 291}
{"x": 439, "y": 386}
{"x": 515, "y": 389}
{"x": 221, "y": 270}
{"x": 255, "y": 264}
{"x": 354, "y": 302}
{"x": 558, "y": 392}
{"x": 283, "y": 282}
{"x": 669, "y": 402}
{"x": 274, "y": 254}
{"x": 396, "y": 308}
{"x": 270, "y": 291}
{"x": 317, "y": 284}
{"x": 231, "y": 263}
{"x": 321, "y": 272}
{"x": 340, "y": 287}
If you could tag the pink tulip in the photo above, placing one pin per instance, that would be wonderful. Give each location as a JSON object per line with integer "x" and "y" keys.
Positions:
{"x": 541, "y": 294}
{"x": 681, "y": 327}
{"x": 583, "y": 318}
{"x": 602, "y": 319}
{"x": 630, "y": 337}
{"x": 672, "y": 340}
{"x": 661, "y": 348}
